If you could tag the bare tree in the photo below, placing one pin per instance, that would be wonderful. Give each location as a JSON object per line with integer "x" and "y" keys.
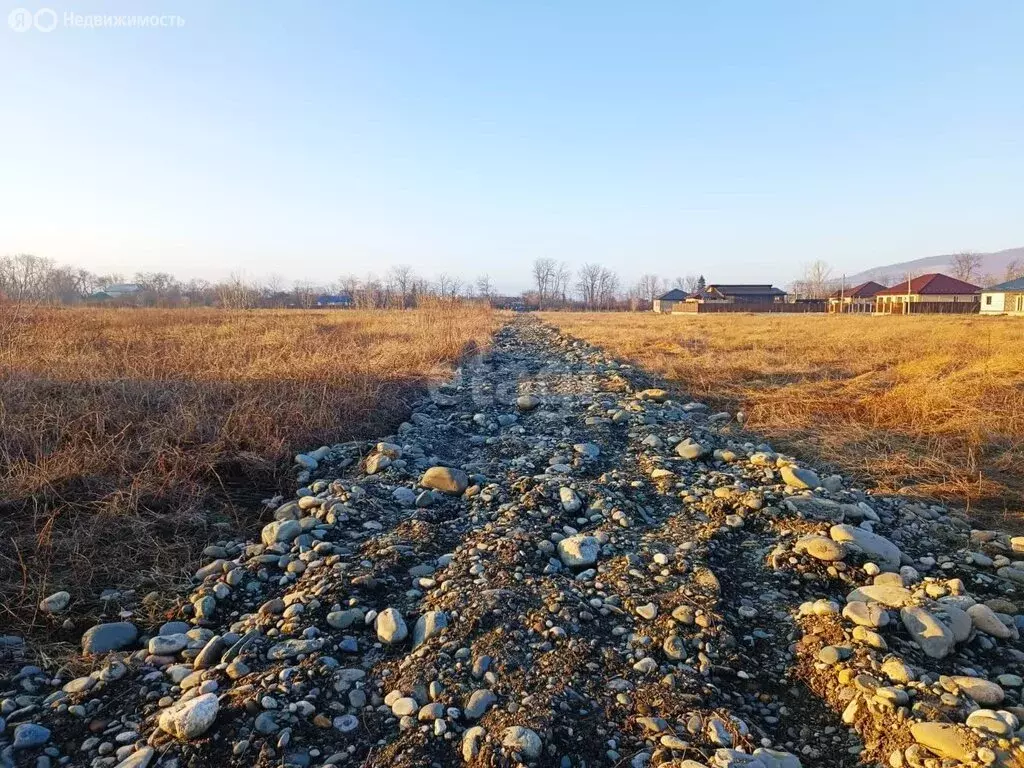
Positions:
{"x": 401, "y": 279}
{"x": 691, "y": 284}
{"x": 483, "y": 286}
{"x": 596, "y": 286}
{"x": 1014, "y": 269}
{"x": 966, "y": 265}
{"x": 647, "y": 289}
{"x": 816, "y": 282}
{"x": 448, "y": 286}
{"x": 545, "y": 271}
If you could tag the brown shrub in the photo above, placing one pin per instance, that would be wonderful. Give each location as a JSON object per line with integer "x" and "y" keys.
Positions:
{"x": 926, "y": 405}
{"x": 131, "y": 438}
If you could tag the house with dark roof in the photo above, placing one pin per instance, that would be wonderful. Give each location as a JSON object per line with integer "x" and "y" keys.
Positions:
{"x": 858, "y": 299}
{"x": 334, "y": 300}
{"x": 931, "y": 293}
{"x": 1004, "y": 299}
{"x": 739, "y": 294}
{"x": 668, "y": 302}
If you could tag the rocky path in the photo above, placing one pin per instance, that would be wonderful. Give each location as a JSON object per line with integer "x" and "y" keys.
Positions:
{"x": 554, "y": 562}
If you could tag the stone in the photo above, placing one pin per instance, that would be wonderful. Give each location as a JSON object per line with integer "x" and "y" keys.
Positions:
{"x": 168, "y": 645}
{"x": 654, "y": 394}
{"x": 886, "y": 554}
{"x": 280, "y": 531}
{"x": 985, "y": 619}
{"x": 479, "y": 702}
{"x": 891, "y": 596}
{"x": 688, "y": 449}
{"x": 429, "y": 624}
{"x": 390, "y": 627}
{"x": 522, "y": 740}
{"x": 930, "y": 634}
{"x": 140, "y": 758}
{"x": 945, "y": 740}
{"x": 58, "y": 602}
{"x": 798, "y": 477}
{"x": 471, "y": 743}
{"x": 190, "y": 719}
{"x": 30, "y": 736}
{"x": 114, "y": 636}
{"x": 404, "y": 706}
{"x": 527, "y": 402}
{"x": 570, "y": 500}
{"x": 674, "y": 647}
{"x": 866, "y": 614}
{"x": 985, "y": 692}
{"x": 445, "y": 479}
{"x": 579, "y": 551}
{"x": 820, "y": 548}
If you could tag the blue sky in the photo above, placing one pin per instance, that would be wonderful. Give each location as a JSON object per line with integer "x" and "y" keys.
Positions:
{"x": 734, "y": 139}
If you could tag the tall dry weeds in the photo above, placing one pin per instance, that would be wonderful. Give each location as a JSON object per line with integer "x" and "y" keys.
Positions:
{"x": 926, "y": 406}
{"x": 131, "y": 438}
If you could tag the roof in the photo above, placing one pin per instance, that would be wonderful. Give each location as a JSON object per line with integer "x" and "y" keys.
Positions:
{"x": 746, "y": 290}
{"x": 933, "y": 284}
{"x": 862, "y": 291}
{"x": 1009, "y": 285}
{"x": 676, "y": 294}
{"x": 123, "y": 288}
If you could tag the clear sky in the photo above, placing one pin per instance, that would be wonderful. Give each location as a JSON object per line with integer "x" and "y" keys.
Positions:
{"x": 311, "y": 139}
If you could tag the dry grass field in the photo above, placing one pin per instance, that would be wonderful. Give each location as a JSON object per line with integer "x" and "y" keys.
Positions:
{"x": 928, "y": 406}
{"x": 131, "y": 438}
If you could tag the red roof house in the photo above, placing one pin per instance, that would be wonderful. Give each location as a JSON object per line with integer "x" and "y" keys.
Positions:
{"x": 933, "y": 292}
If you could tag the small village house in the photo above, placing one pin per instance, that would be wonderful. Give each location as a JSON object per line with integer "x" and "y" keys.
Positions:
{"x": 931, "y": 293}
{"x": 859, "y": 298}
{"x": 736, "y": 294}
{"x": 1004, "y": 299}
{"x": 668, "y": 302}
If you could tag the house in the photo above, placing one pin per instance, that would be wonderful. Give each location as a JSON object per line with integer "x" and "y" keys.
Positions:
{"x": 334, "y": 300}
{"x": 668, "y": 302}
{"x": 860, "y": 298}
{"x": 931, "y": 293}
{"x": 122, "y": 290}
{"x": 1004, "y": 299}
{"x": 739, "y": 294}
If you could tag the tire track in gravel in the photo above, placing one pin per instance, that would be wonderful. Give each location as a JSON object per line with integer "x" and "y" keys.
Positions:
{"x": 601, "y": 575}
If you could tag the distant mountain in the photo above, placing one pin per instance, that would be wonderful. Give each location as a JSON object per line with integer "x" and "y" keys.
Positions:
{"x": 992, "y": 270}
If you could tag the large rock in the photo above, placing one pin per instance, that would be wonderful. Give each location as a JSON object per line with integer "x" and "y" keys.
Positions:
{"x": 479, "y": 702}
{"x": 429, "y": 624}
{"x": 390, "y": 626}
{"x": 522, "y": 740}
{"x": 281, "y": 531}
{"x": 931, "y": 635}
{"x": 945, "y": 740}
{"x": 527, "y": 402}
{"x": 445, "y": 479}
{"x": 798, "y": 477}
{"x": 579, "y": 551}
{"x": 985, "y": 619}
{"x": 886, "y": 554}
{"x": 887, "y": 594}
{"x": 30, "y": 736}
{"x": 190, "y": 719}
{"x": 985, "y": 692}
{"x": 820, "y": 548}
{"x": 109, "y": 637}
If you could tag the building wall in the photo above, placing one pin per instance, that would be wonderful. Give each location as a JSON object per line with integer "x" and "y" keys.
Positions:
{"x": 993, "y": 303}
{"x": 665, "y": 306}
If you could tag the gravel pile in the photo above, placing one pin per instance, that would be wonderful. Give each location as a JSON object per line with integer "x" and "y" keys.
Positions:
{"x": 555, "y": 562}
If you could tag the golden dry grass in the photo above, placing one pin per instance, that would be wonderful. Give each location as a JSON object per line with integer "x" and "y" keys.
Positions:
{"x": 131, "y": 438}
{"x": 926, "y": 405}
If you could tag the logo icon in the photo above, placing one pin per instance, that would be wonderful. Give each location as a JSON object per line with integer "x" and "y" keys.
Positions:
{"x": 45, "y": 19}
{"x": 20, "y": 20}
